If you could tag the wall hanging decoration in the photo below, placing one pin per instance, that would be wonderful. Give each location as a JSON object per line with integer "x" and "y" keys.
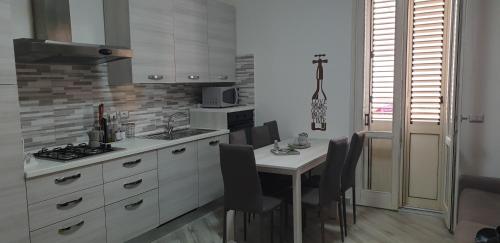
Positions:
{"x": 318, "y": 110}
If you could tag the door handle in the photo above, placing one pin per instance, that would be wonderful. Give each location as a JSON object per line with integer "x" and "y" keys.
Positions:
{"x": 72, "y": 228}
{"x": 179, "y": 151}
{"x": 132, "y": 184}
{"x": 67, "y": 179}
{"x": 69, "y": 204}
{"x": 155, "y": 77}
{"x": 223, "y": 77}
{"x": 131, "y": 163}
{"x": 133, "y": 205}
{"x": 213, "y": 143}
{"x": 194, "y": 77}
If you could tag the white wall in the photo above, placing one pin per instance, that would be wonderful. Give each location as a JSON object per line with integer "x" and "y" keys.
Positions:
{"x": 480, "y": 143}
{"x": 284, "y": 35}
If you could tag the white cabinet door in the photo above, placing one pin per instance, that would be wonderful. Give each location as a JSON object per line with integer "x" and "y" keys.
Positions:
{"x": 221, "y": 41}
{"x": 13, "y": 209}
{"x": 7, "y": 69}
{"x": 191, "y": 41}
{"x": 149, "y": 34}
{"x": 210, "y": 185}
{"x": 152, "y": 40}
{"x": 178, "y": 180}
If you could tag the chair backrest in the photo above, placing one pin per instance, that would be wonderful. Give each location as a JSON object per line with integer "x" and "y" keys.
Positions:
{"x": 329, "y": 185}
{"x": 273, "y": 130}
{"x": 238, "y": 137}
{"x": 242, "y": 188}
{"x": 351, "y": 161}
{"x": 260, "y": 137}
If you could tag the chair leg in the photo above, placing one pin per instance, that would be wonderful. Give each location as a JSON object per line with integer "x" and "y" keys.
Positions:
{"x": 354, "y": 203}
{"x": 344, "y": 210}
{"x": 304, "y": 217}
{"x": 224, "y": 231}
{"x": 341, "y": 221}
{"x": 245, "y": 226}
{"x": 322, "y": 231}
{"x": 282, "y": 222}
{"x": 271, "y": 215}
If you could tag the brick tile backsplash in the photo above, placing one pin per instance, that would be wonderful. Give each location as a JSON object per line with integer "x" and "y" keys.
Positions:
{"x": 59, "y": 102}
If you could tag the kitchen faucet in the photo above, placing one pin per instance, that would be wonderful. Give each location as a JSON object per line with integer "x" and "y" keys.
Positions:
{"x": 169, "y": 127}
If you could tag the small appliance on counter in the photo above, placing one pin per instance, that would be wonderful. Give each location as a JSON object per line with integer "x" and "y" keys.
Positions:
{"x": 219, "y": 97}
{"x": 232, "y": 118}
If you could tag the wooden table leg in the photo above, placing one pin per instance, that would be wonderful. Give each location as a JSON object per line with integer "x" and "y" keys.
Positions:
{"x": 297, "y": 209}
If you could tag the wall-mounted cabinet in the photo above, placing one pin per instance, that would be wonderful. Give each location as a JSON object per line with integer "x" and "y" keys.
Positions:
{"x": 145, "y": 26}
{"x": 183, "y": 41}
{"x": 221, "y": 41}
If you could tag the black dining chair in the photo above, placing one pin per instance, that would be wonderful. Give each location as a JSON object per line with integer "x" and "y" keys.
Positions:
{"x": 238, "y": 137}
{"x": 328, "y": 194}
{"x": 260, "y": 137}
{"x": 272, "y": 184}
{"x": 349, "y": 173}
{"x": 273, "y": 130}
{"x": 242, "y": 188}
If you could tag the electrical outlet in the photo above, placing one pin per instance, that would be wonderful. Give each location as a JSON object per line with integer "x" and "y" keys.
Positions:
{"x": 124, "y": 114}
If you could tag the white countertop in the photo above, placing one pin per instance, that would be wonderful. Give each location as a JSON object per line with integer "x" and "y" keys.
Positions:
{"x": 225, "y": 110}
{"x": 39, "y": 167}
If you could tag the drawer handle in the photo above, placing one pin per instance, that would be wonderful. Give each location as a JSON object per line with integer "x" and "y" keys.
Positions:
{"x": 71, "y": 229}
{"x": 134, "y": 205}
{"x": 69, "y": 204}
{"x": 223, "y": 77}
{"x": 194, "y": 77}
{"x": 155, "y": 77}
{"x": 179, "y": 151}
{"x": 131, "y": 163}
{"x": 132, "y": 184}
{"x": 67, "y": 179}
{"x": 213, "y": 143}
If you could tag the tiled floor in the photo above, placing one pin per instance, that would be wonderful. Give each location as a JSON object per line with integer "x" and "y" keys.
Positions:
{"x": 373, "y": 225}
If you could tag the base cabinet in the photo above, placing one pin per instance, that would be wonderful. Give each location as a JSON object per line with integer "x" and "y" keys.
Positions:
{"x": 178, "y": 180}
{"x": 131, "y": 217}
{"x": 88, "y": 227}
{"x": 210, "y": 184}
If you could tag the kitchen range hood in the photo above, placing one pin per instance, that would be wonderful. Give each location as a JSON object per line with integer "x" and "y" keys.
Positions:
{"x": 53, "y": 43}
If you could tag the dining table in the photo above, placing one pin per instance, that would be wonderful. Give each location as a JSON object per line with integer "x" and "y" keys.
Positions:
{"x": 294, "y": 166}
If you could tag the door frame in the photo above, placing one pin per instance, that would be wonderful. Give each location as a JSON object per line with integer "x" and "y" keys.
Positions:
{"x": 358, "y": 95}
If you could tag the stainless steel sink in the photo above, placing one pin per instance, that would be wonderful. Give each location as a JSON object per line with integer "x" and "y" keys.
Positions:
{"x": 178, "y": 134}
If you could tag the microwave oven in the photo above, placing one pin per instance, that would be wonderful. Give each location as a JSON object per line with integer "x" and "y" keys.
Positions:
{"x": 219, "y": 97}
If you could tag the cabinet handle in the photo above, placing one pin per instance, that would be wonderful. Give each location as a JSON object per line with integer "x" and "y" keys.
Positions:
{"x": 213, "y": 143}
{"x": 67, "y": 179}
{"x": 132, "y": 184}
{"x": 179, "y": 151}
{"x": 134, "y": 205}
{"x": 223, "y": 77}
{"x": 194, "y": 77}
{"x": 69, "y": 204}
{"x": 71, "y": 229}
{"x": 155, "y": 77}
{"x": 131, "y": 163}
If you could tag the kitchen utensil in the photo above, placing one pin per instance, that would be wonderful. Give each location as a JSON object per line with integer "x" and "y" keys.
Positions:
{"x": 285, "y": 151}
{"x": 303, "y": 139}
{"x": 94, "y": 138}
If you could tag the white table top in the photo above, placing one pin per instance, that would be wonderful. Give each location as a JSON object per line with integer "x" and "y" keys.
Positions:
{"x": 291, "y": 164}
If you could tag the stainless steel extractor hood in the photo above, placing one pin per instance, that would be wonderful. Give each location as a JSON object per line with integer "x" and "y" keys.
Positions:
{"x": 53, "y": 43}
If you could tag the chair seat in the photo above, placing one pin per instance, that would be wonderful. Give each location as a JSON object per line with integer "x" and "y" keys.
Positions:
{"x": 270, "y": 203}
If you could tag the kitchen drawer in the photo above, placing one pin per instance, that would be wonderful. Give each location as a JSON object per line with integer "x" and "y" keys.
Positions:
{"x": 128, "y": 166}
{"x": 55, "y": 185}
{"x": 131, "y": 217}
{"x": 130, "y": 186}
{"x": 54, "y": 210}
{"x": 178, "y": 152}
{"x": 88, "y": 227}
